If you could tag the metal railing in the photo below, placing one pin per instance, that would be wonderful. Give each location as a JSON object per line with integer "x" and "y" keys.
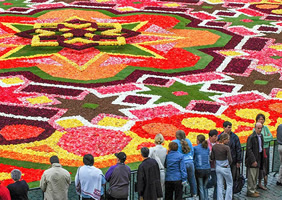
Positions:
{"x": 36, "y": 193}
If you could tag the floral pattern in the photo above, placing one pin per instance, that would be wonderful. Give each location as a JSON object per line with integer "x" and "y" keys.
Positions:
{"x": 104, "y": 76}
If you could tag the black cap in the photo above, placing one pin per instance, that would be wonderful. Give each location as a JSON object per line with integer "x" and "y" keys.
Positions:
{"x": 121, "y": 156}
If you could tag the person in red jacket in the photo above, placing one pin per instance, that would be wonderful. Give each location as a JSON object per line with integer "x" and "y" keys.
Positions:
{"x": 4, "y": 193}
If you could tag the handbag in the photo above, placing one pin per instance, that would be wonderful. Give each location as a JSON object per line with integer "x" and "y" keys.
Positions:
{"x": 238, "y": 182}
{"x": 78, "y": 186}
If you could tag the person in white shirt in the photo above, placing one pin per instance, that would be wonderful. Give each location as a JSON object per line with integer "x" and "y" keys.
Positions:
{"x": 159, "y": 152}
{"x": 90, "y": 179}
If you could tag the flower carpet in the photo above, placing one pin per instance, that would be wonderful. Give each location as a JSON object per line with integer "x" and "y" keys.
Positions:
{"x": 103, "y": 76}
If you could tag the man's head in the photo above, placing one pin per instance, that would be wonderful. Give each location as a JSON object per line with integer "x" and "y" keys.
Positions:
{"x": 145, "y": 152}
{"x": 121, "y": 156}
{"x": 16, "y": 174}
{"x": 227, "y": 126}
{"x": 213, "y": 136}
{"x": 88, "y": 159}
{"x": 258, "y": 128}
{"x": 54, "y": 159}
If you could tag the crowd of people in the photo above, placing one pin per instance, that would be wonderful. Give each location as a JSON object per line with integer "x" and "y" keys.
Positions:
{"x": 164, "y": 174}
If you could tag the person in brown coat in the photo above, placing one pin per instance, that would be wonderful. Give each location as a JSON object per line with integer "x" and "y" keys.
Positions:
{"x": 254, "y": 159}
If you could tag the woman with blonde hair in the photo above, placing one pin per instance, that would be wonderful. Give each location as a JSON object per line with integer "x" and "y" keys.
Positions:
{"x": 159, "y": 154}
{"x": 185, "y": 147}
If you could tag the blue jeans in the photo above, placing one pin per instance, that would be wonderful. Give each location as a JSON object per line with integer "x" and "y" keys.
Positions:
{"x": 212, "y": 183}
{"x": 191, "y": 177}
{"x": 202, "y": 176}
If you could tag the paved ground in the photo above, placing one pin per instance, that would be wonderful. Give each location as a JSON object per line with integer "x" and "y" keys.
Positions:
{"x": 274, "y": 192}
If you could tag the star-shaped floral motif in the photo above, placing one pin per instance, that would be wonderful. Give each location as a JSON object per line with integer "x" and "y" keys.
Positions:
{"x": 168, "y": 94}
{"x": 258, "y": 81}
{"x": 209, "y": 8}
{"x": 276, "y": 36}
{"x": 247, "y": 21}
{"x": 90, "y": 106}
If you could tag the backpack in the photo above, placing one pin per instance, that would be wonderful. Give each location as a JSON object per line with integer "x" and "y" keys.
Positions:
{"x": 156, "y": 157}
{"x": 238, "y": 182}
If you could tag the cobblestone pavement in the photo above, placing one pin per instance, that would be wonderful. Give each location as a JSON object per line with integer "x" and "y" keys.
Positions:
{"x": 274, "y": 192}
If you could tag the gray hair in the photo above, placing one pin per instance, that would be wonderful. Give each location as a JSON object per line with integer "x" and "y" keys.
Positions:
{"x": 16, "y": 174}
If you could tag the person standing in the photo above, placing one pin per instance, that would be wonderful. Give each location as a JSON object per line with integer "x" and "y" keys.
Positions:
{"x": 148, "y": 178}
{"x": 55, "y": 181}
{"x": 279, "y": 140}
{"x": 18, "y": 189}
{"x": 267, "y": 137}
{"x": 4, "y": 193}
{"x": 90, "y": 179}
{"x": 176, "y": 175}
{"x": 185, "y": 147}
{"x": 235, "y": 148}
{"x": 222, "y": 156}
{"x": 159, "y": 153}
{"x": 119, "y": 177}
{"x": 202, "y": 165}
{"x": 213, "y": 137}
{"x": 254, "y": 159}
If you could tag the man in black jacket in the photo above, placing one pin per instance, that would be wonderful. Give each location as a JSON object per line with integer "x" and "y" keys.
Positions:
{"x": 254, "y": 159}
{"x": 148, "y": 178}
